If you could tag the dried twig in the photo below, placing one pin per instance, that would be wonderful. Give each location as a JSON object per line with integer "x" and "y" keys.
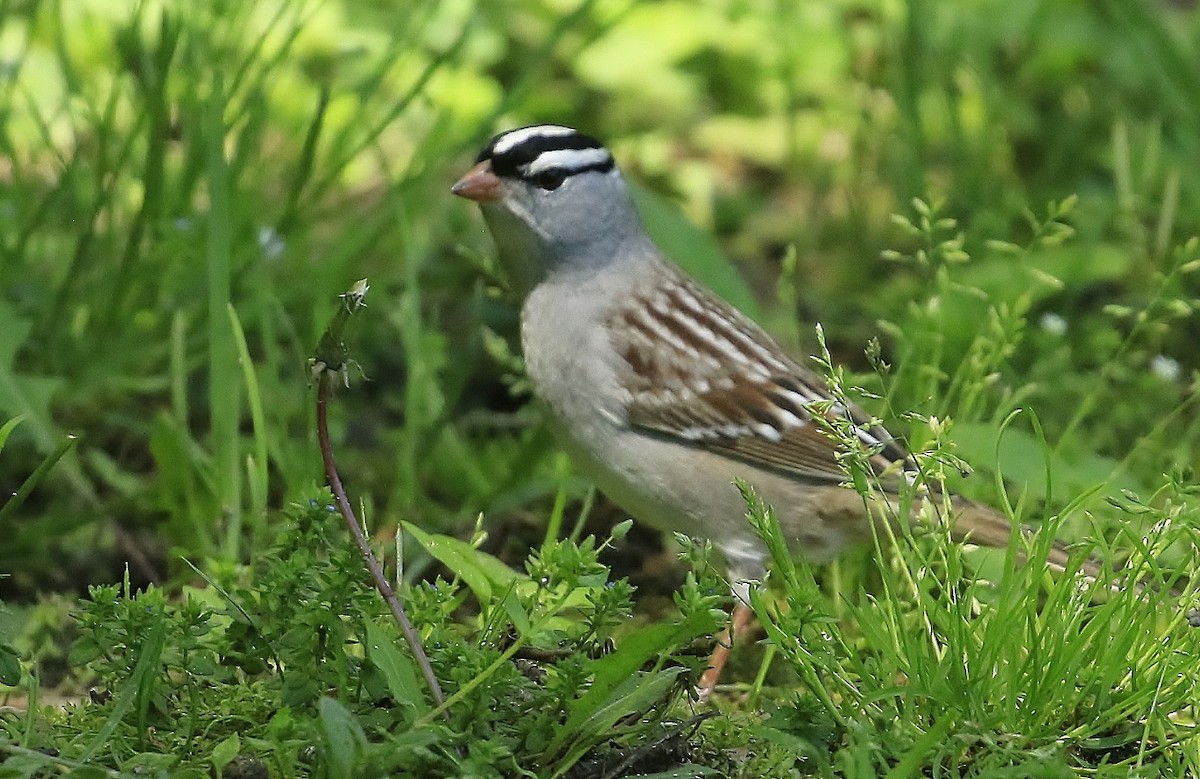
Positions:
{"x": 331, "y": 365}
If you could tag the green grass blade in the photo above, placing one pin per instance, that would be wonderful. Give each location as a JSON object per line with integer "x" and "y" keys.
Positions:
{"x": 48, "y": 462}
{"x": 223, "y": 386}
{"x": 256, "y": 466}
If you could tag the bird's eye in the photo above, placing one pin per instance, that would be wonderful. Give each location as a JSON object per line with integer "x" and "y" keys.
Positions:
{"x": 550, "y": 179}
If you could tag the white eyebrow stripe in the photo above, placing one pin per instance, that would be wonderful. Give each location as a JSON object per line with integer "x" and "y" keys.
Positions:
{"x": 517, "y": 137}
{"x": 567, "y": 160}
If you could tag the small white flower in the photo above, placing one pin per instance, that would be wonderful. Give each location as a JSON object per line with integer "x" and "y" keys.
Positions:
{"x": 1165, "y": 368}
{"x": 1053, "y": 324}
{"x": 271, "y": 243}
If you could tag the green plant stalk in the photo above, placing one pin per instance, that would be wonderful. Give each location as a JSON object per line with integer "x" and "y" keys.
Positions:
{"x": 420, "y": 375}
{"x": 222, "y": 353}
{"x": 154, "y": 66}
{"x": 70, "y": 765}
{"x": 32, "y": 704}
{"x": 760, "y": 679}
{"x": 1104, "y": 375}
{"x": 305, "y": 165}
{"x": 256, "y": 467}
{"x": 443, "y": 707}
{"x": 262, "y": 59}
{"x": 136, "y": 689}
{"x": 199, "y": 521}
{"x": 562, "y": 471}
{"x": 585, "y": 510}
{"x": 216, "y": 586}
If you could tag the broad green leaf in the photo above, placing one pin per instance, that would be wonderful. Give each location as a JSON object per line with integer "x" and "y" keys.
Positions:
{"x": 634, "y": 695}
{"x": 515, "y": 611}
{"x": 398, "y": 669}
{"x": 10, "y": 666}
{"x": 224, "y": 752}
{"x": 1078, "y": 265}
{"x": 481, "y": 572}
{"x": 612, "y": 670}
{"x": 1074, "y": 267}
{"x": 1022, "y": 460}
{"x": 344, "y": 738}
{"x": 683, "y": 772}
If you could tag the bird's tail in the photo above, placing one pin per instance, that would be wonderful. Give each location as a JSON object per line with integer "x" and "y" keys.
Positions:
{"x": 975, "y": 523}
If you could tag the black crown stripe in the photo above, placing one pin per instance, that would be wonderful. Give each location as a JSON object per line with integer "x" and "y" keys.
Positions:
{"x": 512, "y": 162}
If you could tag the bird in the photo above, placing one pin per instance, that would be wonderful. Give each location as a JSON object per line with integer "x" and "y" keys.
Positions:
{"x": 661, "y": 392}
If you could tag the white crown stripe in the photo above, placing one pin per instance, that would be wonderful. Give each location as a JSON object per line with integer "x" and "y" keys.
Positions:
{"x": 567, "y": 160}
{"x": 515, "y": 138}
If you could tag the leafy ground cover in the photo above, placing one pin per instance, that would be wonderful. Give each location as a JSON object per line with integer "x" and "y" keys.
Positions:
{"x": 989, "y": 207}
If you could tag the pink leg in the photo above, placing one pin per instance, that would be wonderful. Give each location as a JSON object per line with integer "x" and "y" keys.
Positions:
{"x": 737, "y": 624}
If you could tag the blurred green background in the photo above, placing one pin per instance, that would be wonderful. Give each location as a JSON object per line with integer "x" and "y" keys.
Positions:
{"x": 186, "y": 187}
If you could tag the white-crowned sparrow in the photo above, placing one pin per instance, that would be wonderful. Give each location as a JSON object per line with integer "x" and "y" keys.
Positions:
{"x": 659, "y": 390}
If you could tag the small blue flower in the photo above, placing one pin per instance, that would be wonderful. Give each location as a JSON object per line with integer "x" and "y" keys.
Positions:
{"x": 1053, "y": 324}
{"x": 1165, "y": 368}
{"x": 271, "y": 243}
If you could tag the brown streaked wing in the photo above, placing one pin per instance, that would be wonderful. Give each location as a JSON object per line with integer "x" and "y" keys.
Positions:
{"x": 700, "y": 371}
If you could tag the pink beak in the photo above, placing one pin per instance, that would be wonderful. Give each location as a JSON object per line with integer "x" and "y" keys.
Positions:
{"x": 479, "y": 184}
